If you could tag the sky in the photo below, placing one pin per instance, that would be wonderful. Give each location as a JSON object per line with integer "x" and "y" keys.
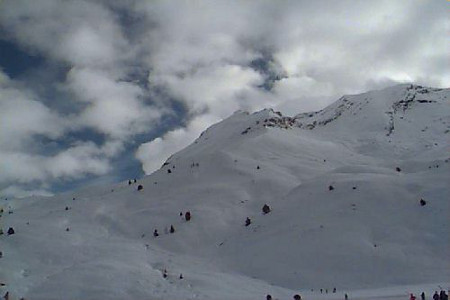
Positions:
{"x": 95, "y": 92}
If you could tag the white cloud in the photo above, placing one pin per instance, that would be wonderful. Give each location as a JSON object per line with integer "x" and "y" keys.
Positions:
{"x": 302, "y": 94}
{"x": 114, "y": 107}
{"x": 154, "y": 153}
{"x": 82, "y": 33}
{"x": 18, "y": 192}
{"x": 22, "y": 116}
{"x": 87, "y": 46}
{"x": 74, "y": 162}
{"x": 87, "y": 37}
{"x": 24, "y": 120}
{"x": 79, "y": 160}
{"x": 216, "y": 89}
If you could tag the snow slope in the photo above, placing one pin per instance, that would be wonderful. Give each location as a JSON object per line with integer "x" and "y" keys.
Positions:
{"x": 368, "y": 236}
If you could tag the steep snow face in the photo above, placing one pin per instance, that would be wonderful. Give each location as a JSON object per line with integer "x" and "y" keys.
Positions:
{"x": 401, "y": 121}
{"x": 367, "y": 109}
{"x": 343, "y": 185}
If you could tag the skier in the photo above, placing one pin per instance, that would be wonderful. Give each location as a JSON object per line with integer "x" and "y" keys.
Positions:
{"x": 248, "y": 221}
{"x": 172, "y": 229}
{"x": 436, "y": 295}
{"x": 165, "y": 273}
{"x": 187, "y": 216}
{"x": 266, "y": 209}
{"x": 412, "y": 297}
{"x": 155, "y": 233}
{"x": 422, "y": 296}
{"x": 268, "y": 297}
{"x": 346, "y": 296}
{"x": 11, "y": 231}
{"x": 297, "y": 297}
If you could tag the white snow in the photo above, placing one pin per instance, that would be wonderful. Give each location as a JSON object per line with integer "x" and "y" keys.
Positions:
{"x": 368, "y": 237}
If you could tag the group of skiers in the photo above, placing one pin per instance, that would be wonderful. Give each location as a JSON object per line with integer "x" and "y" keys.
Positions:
{"x": 442, "y": 295}
{"x": 295, "y": 297}
{"x": 171, "y": 230}
{"x": 10, "y": 229}
{"x": 436, "y": 296}
{"x": 187, "y": 217}
{"x": 326, "y": 291}
{"x": 9, "y": 232}
{"x": 165, "y": 274}
{"x": 265, "y": 210}
{"x": 130, "y": 182}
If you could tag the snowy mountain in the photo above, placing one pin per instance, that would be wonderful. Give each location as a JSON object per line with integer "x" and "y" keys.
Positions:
{"x": 344, "y": 186}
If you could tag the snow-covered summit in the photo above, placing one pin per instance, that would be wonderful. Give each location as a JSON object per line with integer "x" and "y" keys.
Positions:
{"x": 377, "y": 110}
{"x": 344, "y": 186}
{"x": 398, "y": 119}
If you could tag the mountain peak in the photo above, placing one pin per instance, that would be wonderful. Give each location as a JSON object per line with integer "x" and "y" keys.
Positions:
{"x": 398, "y": 114}
{"x": 375, "y": 109}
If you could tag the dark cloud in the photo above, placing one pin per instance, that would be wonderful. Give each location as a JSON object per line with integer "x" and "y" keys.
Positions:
{"x": 104, "y": 76}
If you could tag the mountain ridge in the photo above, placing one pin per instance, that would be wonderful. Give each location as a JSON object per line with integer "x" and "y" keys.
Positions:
{"x": 345, "y": 211}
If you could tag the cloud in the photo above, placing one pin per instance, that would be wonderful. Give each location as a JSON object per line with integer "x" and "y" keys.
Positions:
{"x": 217, "y": 90}
{"x": 18, "y": 192}
{"x": 86, "y": 38}
{"x": 130, "y": 66}
{"x": 24, "y": 120}
{"x": 154, "y": 153}
{"x": 83, "y": 158}
{"x": 82, "y": 33}
{"x": 114, "y": 107}
{"x": 72, "y": 163}
{"x": 22, "y": 116}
